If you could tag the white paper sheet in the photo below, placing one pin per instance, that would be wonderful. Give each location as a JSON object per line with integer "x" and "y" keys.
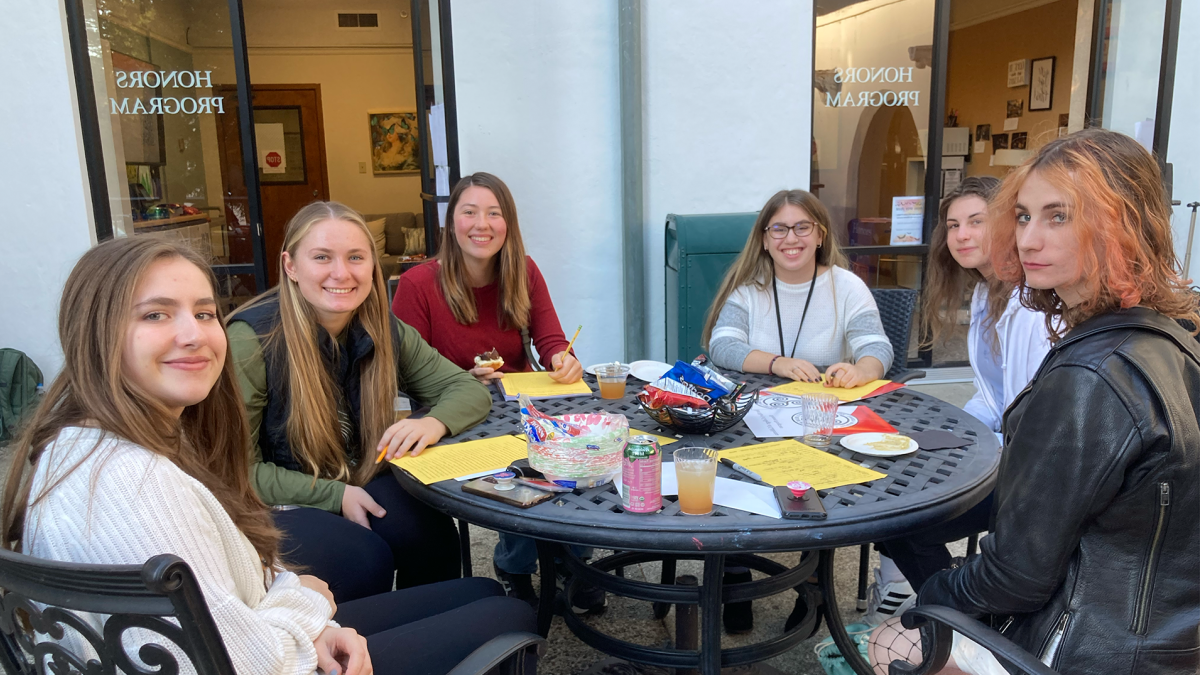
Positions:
{"x": 779, "y": 416}
{"x": 269, "y": 140}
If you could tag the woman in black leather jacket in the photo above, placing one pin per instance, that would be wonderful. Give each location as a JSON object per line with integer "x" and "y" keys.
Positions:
{"x": 1093, "y": 564}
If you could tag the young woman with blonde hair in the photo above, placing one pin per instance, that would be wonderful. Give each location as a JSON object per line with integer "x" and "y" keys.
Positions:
{"x": 320, "y": 360}
{"x": 1091, "y": 565}
{"x": 789, "y": 307}
{"x": 483, "y": 293}
{"x": 1006, "y": 343}
{"x": 139, "y": 449}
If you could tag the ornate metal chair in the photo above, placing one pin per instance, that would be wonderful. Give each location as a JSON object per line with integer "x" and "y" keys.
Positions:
{"x": 896, "y": 308}
{"x": 937, "y": 623}
{"x": 40, "y": 597}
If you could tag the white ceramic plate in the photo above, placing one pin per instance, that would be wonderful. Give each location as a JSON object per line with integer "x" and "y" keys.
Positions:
{"x": 591, "y": 370}
{"x": 648, "y": 371}
{"x": 859, "y": 443}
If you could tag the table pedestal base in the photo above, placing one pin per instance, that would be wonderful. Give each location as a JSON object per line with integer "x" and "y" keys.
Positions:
{"x": 708, "y": 597}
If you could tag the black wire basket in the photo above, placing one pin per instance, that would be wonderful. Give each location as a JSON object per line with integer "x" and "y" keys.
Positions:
{"x": 724, "y": 413}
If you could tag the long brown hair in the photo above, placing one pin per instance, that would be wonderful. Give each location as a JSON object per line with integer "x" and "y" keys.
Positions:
{"x": 313, "y": 430}
{"x": 754, "y": 264}
{"x": 208, "y": 442}
{"x": 510, "y": 268}
{"x": 1120, "y": 211}
{"x": 946, "y": 281}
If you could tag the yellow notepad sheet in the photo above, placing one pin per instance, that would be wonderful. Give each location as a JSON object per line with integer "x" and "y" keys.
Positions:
{"x": 852, "y": 394}
{"x": 444, "y": 462}
{"x": 539, "y": 385}
{"x": 662, "y": 440}
{"x": 783, "y": 461}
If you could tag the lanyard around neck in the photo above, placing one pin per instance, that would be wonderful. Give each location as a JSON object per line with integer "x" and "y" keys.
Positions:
{"x": 779, "y": 318}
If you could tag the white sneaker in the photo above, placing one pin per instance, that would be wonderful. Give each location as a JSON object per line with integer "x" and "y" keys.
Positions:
{"x": 887, "y": 600}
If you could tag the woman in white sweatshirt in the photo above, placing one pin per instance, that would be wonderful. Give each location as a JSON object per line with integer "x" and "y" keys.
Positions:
{"x": 1006, "y": 343}
{"x": 139, "y": 448}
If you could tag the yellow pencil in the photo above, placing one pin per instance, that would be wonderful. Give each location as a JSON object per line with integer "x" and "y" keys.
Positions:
{"x": 569, "y": 345}
{"x": 382, "y": 453}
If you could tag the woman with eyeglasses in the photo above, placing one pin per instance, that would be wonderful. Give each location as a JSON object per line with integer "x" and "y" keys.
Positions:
{"x": 789, "y": 307}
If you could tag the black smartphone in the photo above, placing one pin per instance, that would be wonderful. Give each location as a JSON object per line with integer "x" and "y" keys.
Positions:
{"x": 521, "y": 468}
{"x": 808, "y": 507}
{"x": 520, "y": 496}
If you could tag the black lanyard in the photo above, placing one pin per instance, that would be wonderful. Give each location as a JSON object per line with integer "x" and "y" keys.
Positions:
{"x": 779, "y": 319}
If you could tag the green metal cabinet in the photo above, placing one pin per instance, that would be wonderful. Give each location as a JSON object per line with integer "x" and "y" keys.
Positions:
{"x": 699, "y": 250}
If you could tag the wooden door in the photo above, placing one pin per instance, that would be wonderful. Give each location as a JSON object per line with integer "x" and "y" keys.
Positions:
{"x": 290, "y": 133}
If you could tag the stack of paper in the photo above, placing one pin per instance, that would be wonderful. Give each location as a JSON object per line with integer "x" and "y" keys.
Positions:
{"x": 867, "y": 390}
{"x": 784, "y": 461}
{"x": 539, "y": 385}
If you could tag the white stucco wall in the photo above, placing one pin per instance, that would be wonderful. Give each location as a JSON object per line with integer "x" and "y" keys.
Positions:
{"x": 728, "y": 104}
{"x": 47, "y": 218}
{"x": 539, "y": 106}
{"x": 1183, "y": 151}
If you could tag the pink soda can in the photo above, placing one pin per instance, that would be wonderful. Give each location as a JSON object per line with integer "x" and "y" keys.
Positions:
{"x": 641, "y": 476}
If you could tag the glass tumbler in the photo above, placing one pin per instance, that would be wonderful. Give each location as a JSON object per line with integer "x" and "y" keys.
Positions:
{"x": 696, "y": 473}
{"x": 820, "y": 411}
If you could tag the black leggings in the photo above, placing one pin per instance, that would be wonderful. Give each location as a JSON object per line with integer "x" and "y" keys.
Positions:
{"x": 924, "y": 554}
{"x": 428, "y": 630}
{"x": 412, "y": 545}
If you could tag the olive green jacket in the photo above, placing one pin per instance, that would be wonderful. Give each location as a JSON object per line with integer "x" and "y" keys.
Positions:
{"x": 456, "y": 398}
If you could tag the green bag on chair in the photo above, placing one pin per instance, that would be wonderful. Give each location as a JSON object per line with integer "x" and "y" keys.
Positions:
{"x": 831, "y": 657}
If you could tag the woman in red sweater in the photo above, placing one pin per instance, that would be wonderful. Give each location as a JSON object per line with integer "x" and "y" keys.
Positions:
{"x": 481, "y": 293}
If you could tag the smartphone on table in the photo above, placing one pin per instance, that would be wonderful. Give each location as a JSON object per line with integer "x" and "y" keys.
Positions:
{"x": 520, "y": 496}
{"x": 808, "y": 507}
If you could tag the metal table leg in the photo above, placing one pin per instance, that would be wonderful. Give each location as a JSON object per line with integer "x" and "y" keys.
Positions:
{"x": 547, "y": 550}
{"x": 710, "y": 615}
{"x": 833, "y": 618}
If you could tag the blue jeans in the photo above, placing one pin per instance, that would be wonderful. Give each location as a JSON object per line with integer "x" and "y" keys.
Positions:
{"x": 518, "y": 555}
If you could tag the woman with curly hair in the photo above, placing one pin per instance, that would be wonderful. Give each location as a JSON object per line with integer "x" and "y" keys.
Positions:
{"x": 1091, "y": 564}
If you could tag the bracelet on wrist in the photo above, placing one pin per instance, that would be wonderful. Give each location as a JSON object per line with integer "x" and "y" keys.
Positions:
{"x": 771, "y": 365}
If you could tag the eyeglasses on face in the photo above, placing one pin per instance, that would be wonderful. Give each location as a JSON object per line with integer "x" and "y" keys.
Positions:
{"x": 802, "y": 229}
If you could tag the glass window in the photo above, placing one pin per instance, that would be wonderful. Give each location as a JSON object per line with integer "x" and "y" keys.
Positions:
{"x": 165, "y": 85}
{"x": 1130, "y": 60}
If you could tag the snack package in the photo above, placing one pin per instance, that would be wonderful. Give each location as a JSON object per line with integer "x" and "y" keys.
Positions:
{"x": 695, "y": 382}
{"x": 701, "y": 364}
{"x": 655, "y": 397}
{"x": 580, "y": 450}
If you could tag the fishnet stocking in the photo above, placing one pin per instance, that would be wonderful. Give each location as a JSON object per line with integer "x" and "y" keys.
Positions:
{"x": 890, "y": 642}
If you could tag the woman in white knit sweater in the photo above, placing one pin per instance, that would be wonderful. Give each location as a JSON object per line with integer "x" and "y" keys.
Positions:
{"x": 788, "y": 307}
{"x": 139, "y": 449}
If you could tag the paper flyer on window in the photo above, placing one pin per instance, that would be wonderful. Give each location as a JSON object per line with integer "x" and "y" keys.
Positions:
{"x": 907, "y": 220}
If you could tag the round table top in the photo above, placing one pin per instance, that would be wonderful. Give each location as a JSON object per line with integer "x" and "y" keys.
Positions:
{"x": 921, "y": 489}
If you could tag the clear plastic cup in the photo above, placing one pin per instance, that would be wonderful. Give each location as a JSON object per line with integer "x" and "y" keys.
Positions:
{"x": 820, "y": 411}
{"x": 611, "y": 378}
{"x": 696, "y": 473}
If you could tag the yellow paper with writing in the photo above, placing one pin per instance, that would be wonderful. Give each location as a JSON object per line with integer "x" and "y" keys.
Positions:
{"x": 539, "y": 385}
{"x": 852, "y": 394}
{"x": 783, "y": 461}
{"x": 444, "y": 462}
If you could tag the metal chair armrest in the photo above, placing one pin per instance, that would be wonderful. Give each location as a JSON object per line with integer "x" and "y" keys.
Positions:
{"x": 495, "y": 652}
{"x": 908, "y": 376}
{"x": 938, "y": 625}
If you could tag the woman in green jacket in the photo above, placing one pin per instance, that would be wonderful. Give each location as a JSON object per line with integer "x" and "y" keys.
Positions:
{"x": 320, "y": 360}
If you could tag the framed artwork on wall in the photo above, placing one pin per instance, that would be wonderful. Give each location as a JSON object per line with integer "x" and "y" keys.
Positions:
{"x": 394, "y": 142}
{"x": 1041, "y": 84}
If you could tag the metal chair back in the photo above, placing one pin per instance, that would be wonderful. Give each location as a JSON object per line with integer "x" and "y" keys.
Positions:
{"x": 896, "y": 308}
{"x": 41, "y": 600}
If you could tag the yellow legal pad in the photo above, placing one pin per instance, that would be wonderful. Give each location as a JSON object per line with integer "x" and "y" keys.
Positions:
{"x": 783, "y": 461}
{"x": 443, "y": 462}
{"x": 539, "y": 385}
{"x": 852, "y": 394}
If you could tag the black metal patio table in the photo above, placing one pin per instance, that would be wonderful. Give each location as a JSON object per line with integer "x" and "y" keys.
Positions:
{"x": 921, "y": 490}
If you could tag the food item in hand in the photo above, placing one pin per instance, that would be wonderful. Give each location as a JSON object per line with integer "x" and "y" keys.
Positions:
{"x": 491, "y": 359}
{"x": 890, "y": 443}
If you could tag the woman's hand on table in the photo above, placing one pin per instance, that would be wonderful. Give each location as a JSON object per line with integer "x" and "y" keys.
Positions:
{"x": 567, "y": 368}
{"x": 410, "y": 435}
{"x": 314, "y": 584}
{"x": 847, "y": 375}
{"x": 342, "y": 651}
{"x": 795, "y": 369}
{"x": 485, "y": 375}
{"x": 357, "y": 503}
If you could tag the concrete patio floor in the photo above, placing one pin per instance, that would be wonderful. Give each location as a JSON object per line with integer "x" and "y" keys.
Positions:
{"x": 633, "y": 620}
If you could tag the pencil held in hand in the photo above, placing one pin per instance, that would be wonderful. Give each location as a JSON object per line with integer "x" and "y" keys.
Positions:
{"x": 569, "y": 345}
{"x": 382, "y": 454}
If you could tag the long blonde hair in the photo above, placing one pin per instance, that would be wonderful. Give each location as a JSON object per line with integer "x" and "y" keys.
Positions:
{"x": 313, "y": 430}
{"x": 510, "y": 268}
{"x": 208, "y": 441}
{"x": 755, "y": 266}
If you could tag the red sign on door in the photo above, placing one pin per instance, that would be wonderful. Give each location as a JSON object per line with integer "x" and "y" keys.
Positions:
{"x": 273, "y": 159}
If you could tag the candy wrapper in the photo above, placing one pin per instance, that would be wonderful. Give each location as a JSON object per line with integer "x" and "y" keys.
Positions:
{"x": 580, "y": 450}
{"x": 688, "y": 380}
